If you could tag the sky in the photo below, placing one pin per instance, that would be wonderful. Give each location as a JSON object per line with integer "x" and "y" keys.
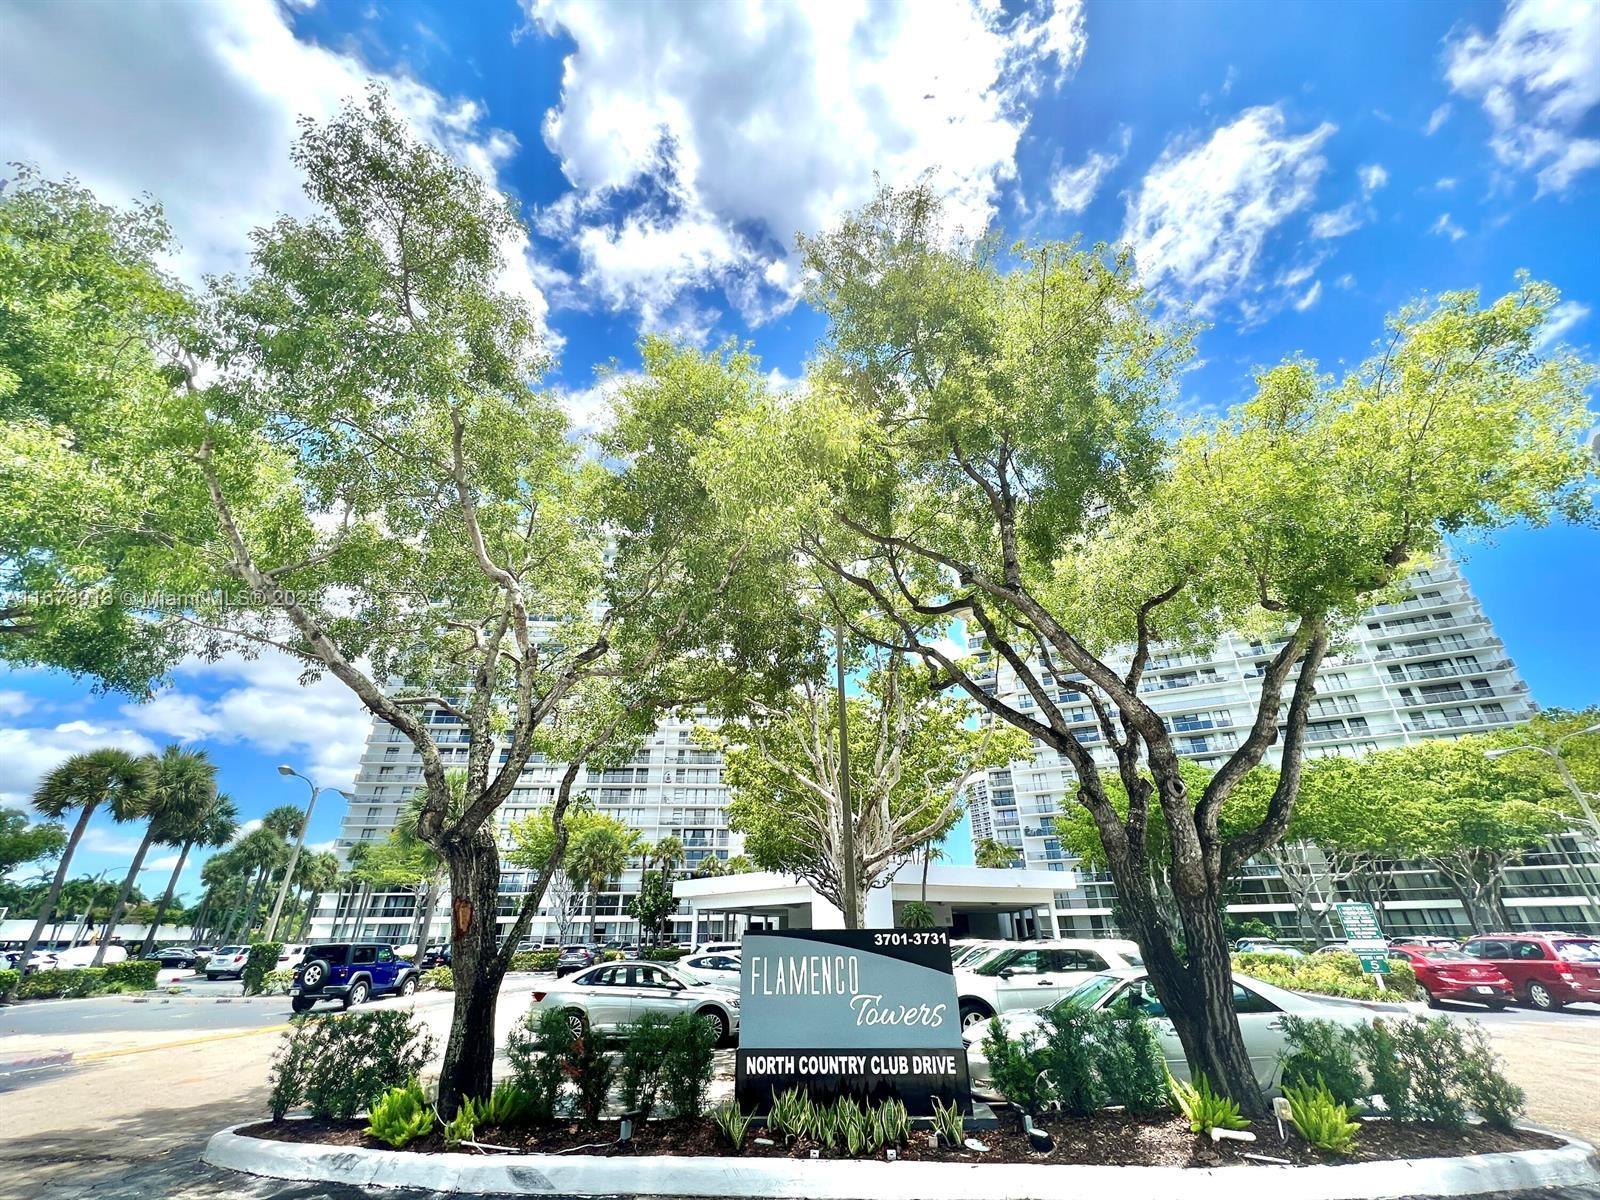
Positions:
{"x": 1292, "y": 172}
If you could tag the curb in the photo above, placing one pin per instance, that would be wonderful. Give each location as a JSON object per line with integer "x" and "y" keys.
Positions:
{"x": 34, "y": 1062}
{"x": 835, "y": 1179}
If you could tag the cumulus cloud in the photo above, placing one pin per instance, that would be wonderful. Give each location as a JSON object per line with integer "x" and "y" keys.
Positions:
{"x": 320, "y": 726}
{"x": 700, "y": 139}
{"x": 1347, "y": 218}
{"x": 1205, "y": 210}
{"x": 1436, "y": 119}
{"x": 196, "y": 104}
{"x": 1538, "y": 79}
{"x": 1073, "y": 189}
{"x": 1446, "y": 227}
{"x": 27, "y": 753}
{"x": 1564, "y": 318}
{"x": 14, "y": 704}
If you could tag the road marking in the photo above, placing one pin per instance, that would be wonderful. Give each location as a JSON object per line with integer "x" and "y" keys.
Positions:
{"x": 97, "y": 1055}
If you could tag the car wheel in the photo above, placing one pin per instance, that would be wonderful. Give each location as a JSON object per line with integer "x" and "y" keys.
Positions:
{"x": 314, "y": 974}
{"x": 1433, "y": 1001}
{"x": 974, "y": 1012}
{"x": 358, "y": 994}
{"x": 577, "y": 1022}
{"x": 409, "y": 986}
{"x": 1541, "y": 998}
{"x": 717, "y": 1021}
{"x": 211, "y": 976}
{"x": 1496, "y": 1006}
{"x": 301, "y": 1004}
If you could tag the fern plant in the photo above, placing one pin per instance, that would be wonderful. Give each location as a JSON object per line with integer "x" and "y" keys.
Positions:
{"x": 731, "y": 1121}
{"x": 1205, "y": 1109}
{"x": 462, "y": 1127}
{"x": 507, "y": 1107}
{"x": 400, "y": 1116}
{"x": 949, "y": 1122}
{"x": 1321, "y": 1119}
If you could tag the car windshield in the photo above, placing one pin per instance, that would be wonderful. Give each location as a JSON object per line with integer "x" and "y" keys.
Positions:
{"x": 231, "y": 950}
{"x": 1439, "y": 954}
{"x": 1132, "y": 957}
{"x": 1584, "y": 952}
{"x": 1087, "y": 993}
{"x": 994, "y": 965}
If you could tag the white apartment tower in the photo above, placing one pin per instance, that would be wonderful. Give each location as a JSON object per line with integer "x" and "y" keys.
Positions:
{"x": 1426, "y": 666}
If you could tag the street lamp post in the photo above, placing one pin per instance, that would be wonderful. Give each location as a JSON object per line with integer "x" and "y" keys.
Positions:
{"x": 294, "y": 857}
{"x": 1582, "y": 797}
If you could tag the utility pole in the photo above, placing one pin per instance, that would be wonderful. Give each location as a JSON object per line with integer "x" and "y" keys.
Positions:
{"x": 847, "y": 840}
{"x": 294, "y": 856}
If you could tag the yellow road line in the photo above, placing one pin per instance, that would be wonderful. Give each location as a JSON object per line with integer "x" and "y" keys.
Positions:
{"x": 96, "y": 1055}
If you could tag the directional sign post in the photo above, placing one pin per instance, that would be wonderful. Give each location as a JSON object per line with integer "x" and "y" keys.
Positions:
{"x": 1365, "y": 937}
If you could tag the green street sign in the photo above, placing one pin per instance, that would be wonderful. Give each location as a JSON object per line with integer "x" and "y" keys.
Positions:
{"x": 1375, "y": 964}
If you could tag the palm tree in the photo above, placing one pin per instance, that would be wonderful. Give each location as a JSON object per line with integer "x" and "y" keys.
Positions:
{"x": 990, "y": 853}
{"x": 214, "y": 825}
{"x": 930, "y": 852}
{"x": 84, "y": 782}
{"x": 600, "y": 852}
{"x": 668, "y": 854}
{"x": 262, "y": 850}
{"x": 318, "y": 872}
{"x": 184, "y": 781}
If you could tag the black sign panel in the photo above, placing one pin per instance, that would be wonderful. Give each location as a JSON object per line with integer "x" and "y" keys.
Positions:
{"x": 868, "y": 1012}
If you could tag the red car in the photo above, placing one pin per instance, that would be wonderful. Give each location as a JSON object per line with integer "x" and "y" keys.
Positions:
{"x": 1547, "y": 970}
{"x": 1451, "y": 975}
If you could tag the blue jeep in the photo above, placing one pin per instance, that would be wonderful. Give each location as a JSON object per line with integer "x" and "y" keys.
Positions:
{"x": 350, "y": 972}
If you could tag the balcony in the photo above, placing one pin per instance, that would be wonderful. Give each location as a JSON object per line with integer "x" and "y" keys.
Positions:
{"x": 1463, "y": 721}
{"x": 1449, "y": 694}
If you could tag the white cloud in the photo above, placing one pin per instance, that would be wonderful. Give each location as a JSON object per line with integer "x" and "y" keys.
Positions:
{"x": 1337, "y": 222}
{"x": 1564, "y": 318}
{"x": 1372, "y": 176}
{"x": 700, "y": 139}
{"x": 14, "y": 704}
{"x": 1447, "y": 184}
{"x": 196, "y": 105}
{"x": 1074, "y": 188}
{"x": 320, "y": 727}
{"x": 1345, "y": 282}
{"x": 1538, "y": 78}
{"x": 1445, "y": 227}
{"x": 1436, "y": 119}
{"x": 1312, "y": 295}
{"x": 1205, "y": 210}
{"x": 26, "y": 754}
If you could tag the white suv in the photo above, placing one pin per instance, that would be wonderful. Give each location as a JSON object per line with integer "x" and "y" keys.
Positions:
{"x": 228, "y": 960}
{"x": 1037, "y": 974}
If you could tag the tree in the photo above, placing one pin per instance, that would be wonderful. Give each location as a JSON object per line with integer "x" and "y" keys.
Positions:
{"x": 910, "y": 750}
{"x": 598, "y": 852}
{"x": 983, "y": 453}
{"x": 88, "y": 334}
{"x": 319, "y": 874}
{"x": 653, "y": 905}
{"x": 930, "y": 852}
{"x": 110, "y": 777}
{"x": 214, "y": 824}
{"x": 990, "y": 853}
{"x": 183, "y": 783}
{"x": 24, "y": 841}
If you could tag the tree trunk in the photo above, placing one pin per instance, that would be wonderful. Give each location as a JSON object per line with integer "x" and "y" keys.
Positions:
{"x": 479, "y": 968}
{"x": 230, "y": 926}
{"x": 166, "y": 897}
{"x": 122, "y": 895}
{"x": 51, "y": 897}
{"x": 927, "y": 856}
{"x": 305, "y": 917}
{"x": 201, "y": 915}
{"x": 424, "y": 898}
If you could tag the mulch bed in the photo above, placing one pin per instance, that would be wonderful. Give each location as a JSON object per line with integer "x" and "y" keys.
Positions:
{"x": 1111, "y": 1139}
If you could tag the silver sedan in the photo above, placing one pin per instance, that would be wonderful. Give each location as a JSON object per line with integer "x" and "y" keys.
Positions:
{"x": 609, "y": 997}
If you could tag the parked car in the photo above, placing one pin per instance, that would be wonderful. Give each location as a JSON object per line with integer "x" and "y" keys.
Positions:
{"x": 350, "y": 972}
{"x": 717, "y": 947}
{"x": 575, "y": 958}
{"x": 290, "y": 955}
{"x": 227, "y": 961}
{"x": 1452, "y": 975}
{"x": 1036, "y": 974}
{"x": 173, "y": 958}
{"x": 39, "y": 960}
{"x": 1253, "y": 946}
{"x": 719, "y": 970}
{"x": 1546, "y": 970}
{"x": 609, "y": 996}
{"x": 1437, "y": 941}
{"x": 435, "y": 956}
{"x": 1259, "y": 1006}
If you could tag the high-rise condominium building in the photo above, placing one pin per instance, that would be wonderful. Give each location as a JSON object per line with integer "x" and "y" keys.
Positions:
{"x": 1426, "y": 666}
{"x": 672, "y": 787}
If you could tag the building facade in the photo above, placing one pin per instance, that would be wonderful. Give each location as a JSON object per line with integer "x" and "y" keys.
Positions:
{"x": 671, "y": 787}
{"x": 1426, "y": 666}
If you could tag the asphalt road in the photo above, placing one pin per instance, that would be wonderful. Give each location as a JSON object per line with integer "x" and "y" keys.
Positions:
{"x": 146, "y": 1084}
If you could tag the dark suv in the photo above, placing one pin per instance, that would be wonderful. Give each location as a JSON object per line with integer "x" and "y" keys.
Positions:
{"x": 351, "y": 972}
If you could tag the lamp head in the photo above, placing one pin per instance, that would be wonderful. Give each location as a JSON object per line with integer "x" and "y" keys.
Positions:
{"x": 285, "y": 770}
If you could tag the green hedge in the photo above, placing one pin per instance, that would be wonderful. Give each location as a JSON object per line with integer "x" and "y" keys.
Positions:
{"x": 66, "y": 981}
{"x": 139, "y": 974}
{"x": 262, "y": 962}
{"x": 8, "y": 980}
{"x": 1328, "y": 975}
{"x": 535, "y": 960}
{"x": 441, "y": 979}
{"x": 664, "y": 953}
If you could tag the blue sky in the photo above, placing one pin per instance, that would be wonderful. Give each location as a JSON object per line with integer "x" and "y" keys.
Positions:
{"x": 1293, "y": 171}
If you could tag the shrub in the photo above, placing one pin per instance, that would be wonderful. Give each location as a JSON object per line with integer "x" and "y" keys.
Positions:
{"x": 894, "y": 1122}
{"x": 508, "y": 1107}
{"x": 1430, "y": 1051}
{"x": 1324, "y": 1051}
{"x": 611, "y": 956}
{"x": 535, "y": 960}
{"x": 1488, "y": 1092}
{"x": 1131, "y": 1067}
{"x": 949, "y": 1122}
{"x": 137, "y": 974}
{"x": 644, "y": 1062}
{"x": 400, "y": 1116}
{"x": 1015, "y": 1065}
{"x": 538, "y": 1049}
{"x": 462, "y": 1127}
{"x": 1328, "y": 975}
{"x": 62, "y": 982}
{"x": 1321, "y": 1119}
{"x": 277, "y": 983}
{"x": 8, "y": 980}
{"x": 1206, "y": 1109}
{"x": 338, "y": 1065}
{"x": 732, "y": 1123}
{"x": 663, "y": 953}
{"x": 591, "y": 1071}
{"x": 691, "y": 1051}
{"x": 1067, "y": 1058}
{"x": 917, "y": 915}
{"x": 441, "y": 979}
{"x": 791, "y": 1114}
{"x": 1391, "y": 1078}
{"x": 1434, "y": 1071}
{"x": 263, "y": 960}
